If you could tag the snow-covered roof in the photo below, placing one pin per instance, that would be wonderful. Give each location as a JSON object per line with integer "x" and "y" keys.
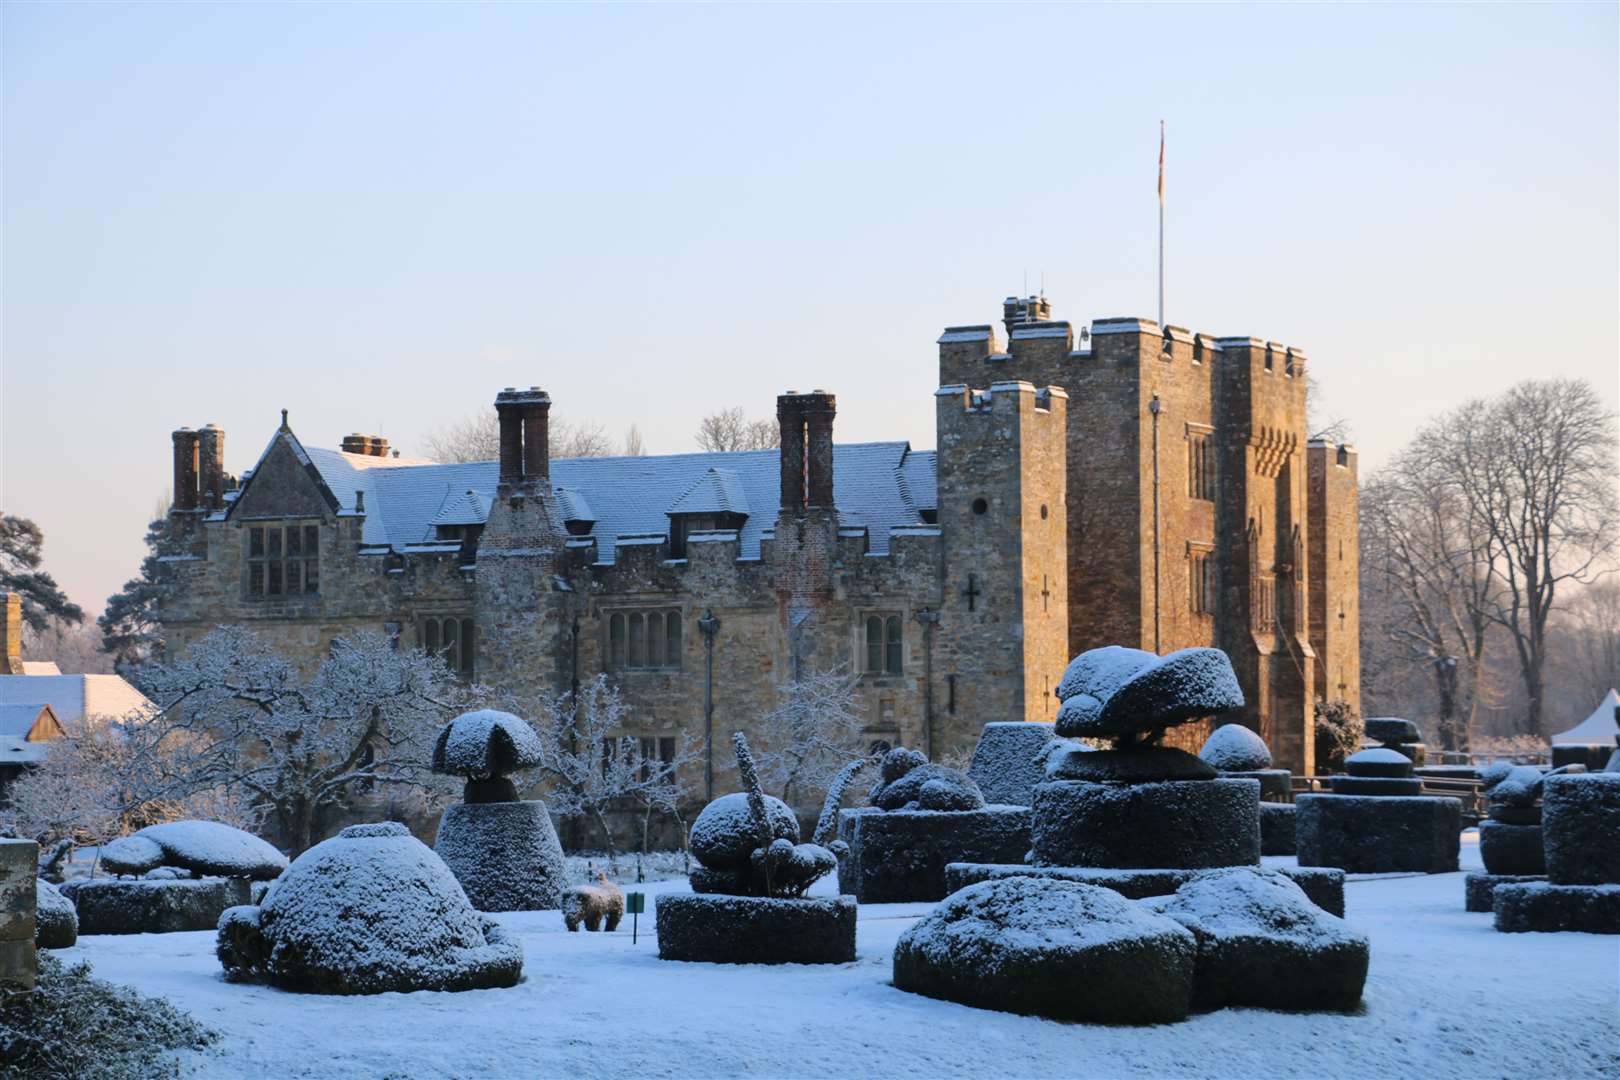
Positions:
{"x": 876, "y": 485}
{"x": 467, "y": 508}
{"x": 15, "y": 750}
{"x": 72, "y": 697}
{"x": 1596, "y": 730}
{"x": 717, "y": 491}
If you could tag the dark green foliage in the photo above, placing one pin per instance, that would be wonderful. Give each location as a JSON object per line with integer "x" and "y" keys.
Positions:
{"x": 130, "y": 631}
{"x": 77, "y": 1027}
{"x": 43, "y": 600}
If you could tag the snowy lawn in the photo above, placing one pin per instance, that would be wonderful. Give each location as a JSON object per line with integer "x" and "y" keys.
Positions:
{"x": 1446, "y": 996}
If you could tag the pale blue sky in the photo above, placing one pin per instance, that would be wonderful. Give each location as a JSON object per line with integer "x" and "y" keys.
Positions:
{"x": 377, "y": 216}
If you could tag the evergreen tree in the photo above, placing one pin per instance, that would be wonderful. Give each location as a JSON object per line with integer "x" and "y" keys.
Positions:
{"x": 43, "y": 600}
{"x": 130, "y": 630}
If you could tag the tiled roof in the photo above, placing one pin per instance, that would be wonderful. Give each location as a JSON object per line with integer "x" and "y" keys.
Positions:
{"x": 717, "y": 491}
{"x": 876, "y": 485}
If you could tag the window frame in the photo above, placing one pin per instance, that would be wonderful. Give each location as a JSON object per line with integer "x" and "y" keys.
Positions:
{"x": 458, "y": 647}
{"x": 278, "y": 555}
{"x": 884, "y": 657}
{"x": 629, "y": 642}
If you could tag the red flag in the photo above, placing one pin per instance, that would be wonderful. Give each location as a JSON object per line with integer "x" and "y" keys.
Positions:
{"x": 1161, "y": 162}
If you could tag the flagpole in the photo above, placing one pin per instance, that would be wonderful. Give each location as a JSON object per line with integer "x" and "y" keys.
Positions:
{"x": 1161, "y": 222}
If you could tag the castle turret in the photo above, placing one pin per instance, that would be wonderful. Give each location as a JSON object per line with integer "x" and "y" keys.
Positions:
{"x": 1335, "y": 552}
{"x": 1003, "y": 627}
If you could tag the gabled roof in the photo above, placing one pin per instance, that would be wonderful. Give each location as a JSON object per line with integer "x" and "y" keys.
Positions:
{"x": 875, "y": 485}
{"x": 717, "y": 491}
{"x": 1596, "y": 730}
{"x": 72, "y": 697}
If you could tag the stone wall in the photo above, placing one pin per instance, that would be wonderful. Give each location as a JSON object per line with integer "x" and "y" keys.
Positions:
{"x": 19, "y": 861}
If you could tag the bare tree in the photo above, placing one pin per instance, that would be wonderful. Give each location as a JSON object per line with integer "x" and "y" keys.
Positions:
{"x": 478, "y": 438}
{"x": 592, "y": 768}
{"x": 1588, "y": 636}
{"x": 1428, "y": 584}
{"x": 730, "y": 430}
{"x": 812, "y": 733}
{"x": 1536, "y": 467}
{"x": 634, "y": 446}
{"x": 1318, "y": 421}
{"x": 73, "y": 648}
{"x": 237, "y": 717}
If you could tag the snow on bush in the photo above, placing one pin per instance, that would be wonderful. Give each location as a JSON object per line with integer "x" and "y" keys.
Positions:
{"x": 1235, "y": 748}
{"x": 76, "y": 1027}
{"x": 911, "y": 783}
{"x": 1118, "y": 692}
{"x": 485, "y": 743}
{"x": 56, "y": 920}
{"x": 210, "y": 847}
{"x": 368, "y": 911}
{"x": 131, "y": 855}
{"x": 723, "y": 836}
{"x": 1052, "y": 948}
{"x": 1262, "y": 942}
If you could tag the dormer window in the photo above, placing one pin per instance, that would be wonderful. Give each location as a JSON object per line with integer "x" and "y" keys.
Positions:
{"x": 682, "y": 526}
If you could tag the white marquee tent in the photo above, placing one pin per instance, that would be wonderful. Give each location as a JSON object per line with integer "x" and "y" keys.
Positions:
{"x": 1596, "y": 730}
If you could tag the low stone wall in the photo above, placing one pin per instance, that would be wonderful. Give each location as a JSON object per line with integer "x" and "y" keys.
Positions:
{"x": 19, "y": 963}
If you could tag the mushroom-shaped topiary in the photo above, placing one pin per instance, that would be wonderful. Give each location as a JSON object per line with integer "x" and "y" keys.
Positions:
{"x": 485, "y": 745}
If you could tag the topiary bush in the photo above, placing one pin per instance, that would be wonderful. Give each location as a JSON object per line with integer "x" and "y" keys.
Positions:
{"x": 77, "y": 1027}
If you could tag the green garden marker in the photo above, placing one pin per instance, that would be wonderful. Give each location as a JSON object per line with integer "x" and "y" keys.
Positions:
{"x": 635, "y": 903}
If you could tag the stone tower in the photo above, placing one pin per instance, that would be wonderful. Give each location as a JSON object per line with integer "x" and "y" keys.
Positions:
{"x": 1335, "y": 554}
{"x": 1003, "y": 627}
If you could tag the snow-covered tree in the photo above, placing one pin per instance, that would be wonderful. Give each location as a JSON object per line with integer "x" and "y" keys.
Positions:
{"x": 237, "y": 717}
{"x": 108, "y": 777}
{"x": 812, "y": 733}
{"x": 592, "y": 768}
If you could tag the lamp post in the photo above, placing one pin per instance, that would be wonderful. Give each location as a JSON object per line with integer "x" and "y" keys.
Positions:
{"x": 708, "y": 626}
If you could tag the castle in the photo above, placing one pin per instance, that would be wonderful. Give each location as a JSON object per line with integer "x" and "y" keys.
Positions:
{"x": 1142, "y": 486}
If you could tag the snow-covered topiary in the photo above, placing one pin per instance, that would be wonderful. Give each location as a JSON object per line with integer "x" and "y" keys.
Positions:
{"x": 1121, "y": 693}
{"x": 131, "y": 855}
{"x": 1263, "y": 943}
{"x": 1051, "y": 948}
{"x": 486, "y": 743}
{"x": 214, "y": 848}
{"x": 1235, "y": 748}
{"x": 1008, "y": 761}
{"x": 56, "y": 920}
{"x": 1378, "y": 761}
{"x": 724, "y": 836}
{"x": 370, "y": 910}
{"x": 911, "y": 783}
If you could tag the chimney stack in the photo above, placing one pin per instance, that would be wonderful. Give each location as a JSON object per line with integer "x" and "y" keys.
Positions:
{"x": 11, "y": 636}
{"x": 1019, "y": 311}
{"x": 525, "y": 420}
{"x": 211, "y": 457}
{"x": 365, "y": 445}
{"x": 807, "y": 448}
{"x": 185, "y": 469}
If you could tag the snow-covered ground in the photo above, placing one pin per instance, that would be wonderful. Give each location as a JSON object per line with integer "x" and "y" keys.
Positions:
{"x": 1446, "y": 996}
